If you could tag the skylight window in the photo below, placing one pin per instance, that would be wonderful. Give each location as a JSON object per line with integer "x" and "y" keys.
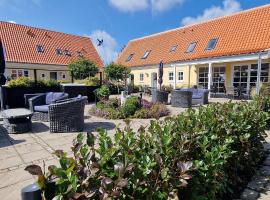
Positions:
{"x": 191, "y": 47}
{"x": 40, "y": 49}
{"x": 174, "y": 47}
{"x": 59, "y": 52}
{"x": 129, "y": 57}
{"x": 146, "y": 54}
{"x": 67, "y": 52}
{"x": 211, "y": 44}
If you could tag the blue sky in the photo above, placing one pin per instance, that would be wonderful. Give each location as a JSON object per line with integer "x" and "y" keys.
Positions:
{"x": 117, "y": 21}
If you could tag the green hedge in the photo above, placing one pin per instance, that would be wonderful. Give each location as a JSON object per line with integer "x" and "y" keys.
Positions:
{"x": 26, "y": 82}
{"x": 204, "y": 154}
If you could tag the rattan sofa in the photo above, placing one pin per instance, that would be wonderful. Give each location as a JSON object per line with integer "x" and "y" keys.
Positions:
{"x": 39, "y": 103}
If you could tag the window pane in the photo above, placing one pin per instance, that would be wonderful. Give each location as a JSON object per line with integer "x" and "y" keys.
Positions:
{"x": 191, "y": 47}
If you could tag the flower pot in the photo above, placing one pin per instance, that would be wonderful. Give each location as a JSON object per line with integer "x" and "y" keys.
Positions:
{"x": 160, "y": 96}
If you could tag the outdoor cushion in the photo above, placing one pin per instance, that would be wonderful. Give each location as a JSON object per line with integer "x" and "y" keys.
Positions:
{"x": 51, "y": 97}
{"x": 48, "y": 99}
{"x": 196, "y": 96}
{"x": 43, "y": 108}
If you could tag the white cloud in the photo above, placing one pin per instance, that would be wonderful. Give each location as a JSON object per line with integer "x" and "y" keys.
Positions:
{"x": 229, "y": 7}
{"x": 139, "y": 5}
{"x": 163, "y": 5}
{"x": 107, "y": 50}
{"x": 13, "y": 22}
{"x": 129, "y": 5}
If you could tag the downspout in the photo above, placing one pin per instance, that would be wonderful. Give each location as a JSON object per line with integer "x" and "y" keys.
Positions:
{"x": 259, "y": 73}
{"x": 189, "y": 70}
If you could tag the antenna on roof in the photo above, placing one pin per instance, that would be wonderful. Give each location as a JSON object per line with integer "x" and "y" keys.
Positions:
{"x": 100, "y": 42}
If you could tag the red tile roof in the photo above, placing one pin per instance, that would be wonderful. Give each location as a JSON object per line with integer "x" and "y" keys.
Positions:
{"x": 20, "y": 45}
{"x": 244, "y": 32}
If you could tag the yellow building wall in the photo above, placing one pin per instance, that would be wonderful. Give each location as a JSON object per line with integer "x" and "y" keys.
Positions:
{"x": 190, "y": 73}
{"x": 62, "y": 71}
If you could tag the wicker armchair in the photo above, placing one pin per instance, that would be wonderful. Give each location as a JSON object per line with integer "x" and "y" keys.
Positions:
{"x": 67, "y": 115}
{"x": 181, "y": 98}
{"x": 39, "y": 104}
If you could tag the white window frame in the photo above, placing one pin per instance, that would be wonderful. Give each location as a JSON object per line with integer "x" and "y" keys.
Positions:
{"x": 141, "y": 77}
{"x": 178, "y": 75}
{"x": 169, "y": 76}
{"x": 249, "y": 67}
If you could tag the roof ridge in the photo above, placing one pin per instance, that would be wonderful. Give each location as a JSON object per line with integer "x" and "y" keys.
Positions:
{"x": 43, "y": 29}
{"x": 202, "y": 22}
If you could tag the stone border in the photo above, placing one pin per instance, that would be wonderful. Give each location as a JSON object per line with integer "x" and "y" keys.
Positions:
{"x": 260, "y": 183}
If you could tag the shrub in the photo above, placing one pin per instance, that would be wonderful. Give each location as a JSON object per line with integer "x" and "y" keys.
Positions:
{"x": 142, "y": 113}
{"x": 158, "y": 110}
{"x": 20, "y": 82}
{"x": 102, "y": 92}
{"x": 90, "y": 81}
{"x": 207, "y": 153}
{"x": 130, "y": 106}
{"x": 26, "y": 82}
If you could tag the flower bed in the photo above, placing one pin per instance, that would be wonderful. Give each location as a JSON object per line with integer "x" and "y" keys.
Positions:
{"x": 132, "y": 108}
{"x": 204, "y": 154}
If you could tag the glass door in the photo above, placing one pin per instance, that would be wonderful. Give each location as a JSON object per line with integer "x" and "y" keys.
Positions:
{"x": 240, "y": 77}
{"x": 245, "y": 76}
{"x": 219, "y": 79}
{"x": 203, "y": 77}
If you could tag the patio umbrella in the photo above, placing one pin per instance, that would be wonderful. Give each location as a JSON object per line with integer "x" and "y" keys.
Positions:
{"x": 160, "y": 74}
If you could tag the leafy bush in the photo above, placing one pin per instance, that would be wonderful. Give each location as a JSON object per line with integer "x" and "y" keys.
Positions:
{"x": 82, "y": 68}
{"x": 102, "y": 92}
{"x": 26, "y": 82}
{"x": 90, "y": 81}
{"x": 204, "y": 154}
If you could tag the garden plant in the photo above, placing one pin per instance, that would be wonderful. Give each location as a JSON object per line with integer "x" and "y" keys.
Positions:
{"x": 205, "y": 154}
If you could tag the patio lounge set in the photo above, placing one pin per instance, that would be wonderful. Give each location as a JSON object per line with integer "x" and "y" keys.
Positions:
{"x": 184, "y": 98}
{"x": 63, "y": 114}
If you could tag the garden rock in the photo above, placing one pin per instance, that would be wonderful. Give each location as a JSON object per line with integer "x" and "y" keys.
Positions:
{"x": 258, "y": 183}
{"x": 249, "y": 194}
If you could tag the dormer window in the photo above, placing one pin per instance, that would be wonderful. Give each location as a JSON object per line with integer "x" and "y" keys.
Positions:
{"x": 40, "y": 49}
{"x": 146, "y": 54}
{"x": 67, "y": 52}
{"x": 211, "y": 44}
{"x": 59, "y": 52}
{"x": 129, "y": 57}
{"x": 191, "y": 47}
{"x": 173, "y": 49}
{"x": 79, "y": 54}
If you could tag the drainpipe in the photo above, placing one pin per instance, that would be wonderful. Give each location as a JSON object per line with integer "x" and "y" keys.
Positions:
{"x": 209, "y": 78}
{"x": 189, "y": 71}
{"x": 174, "y": 82}
{"x": 259, "y": 73}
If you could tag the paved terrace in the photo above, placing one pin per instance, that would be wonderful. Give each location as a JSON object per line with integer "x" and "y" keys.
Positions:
{"x": 19, "y": 150}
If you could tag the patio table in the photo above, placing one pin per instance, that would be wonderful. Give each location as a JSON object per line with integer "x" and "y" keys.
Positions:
{"x": 17, "y": 120}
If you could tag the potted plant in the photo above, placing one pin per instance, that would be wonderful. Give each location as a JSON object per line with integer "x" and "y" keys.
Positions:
{"x": 160, "y": 95}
